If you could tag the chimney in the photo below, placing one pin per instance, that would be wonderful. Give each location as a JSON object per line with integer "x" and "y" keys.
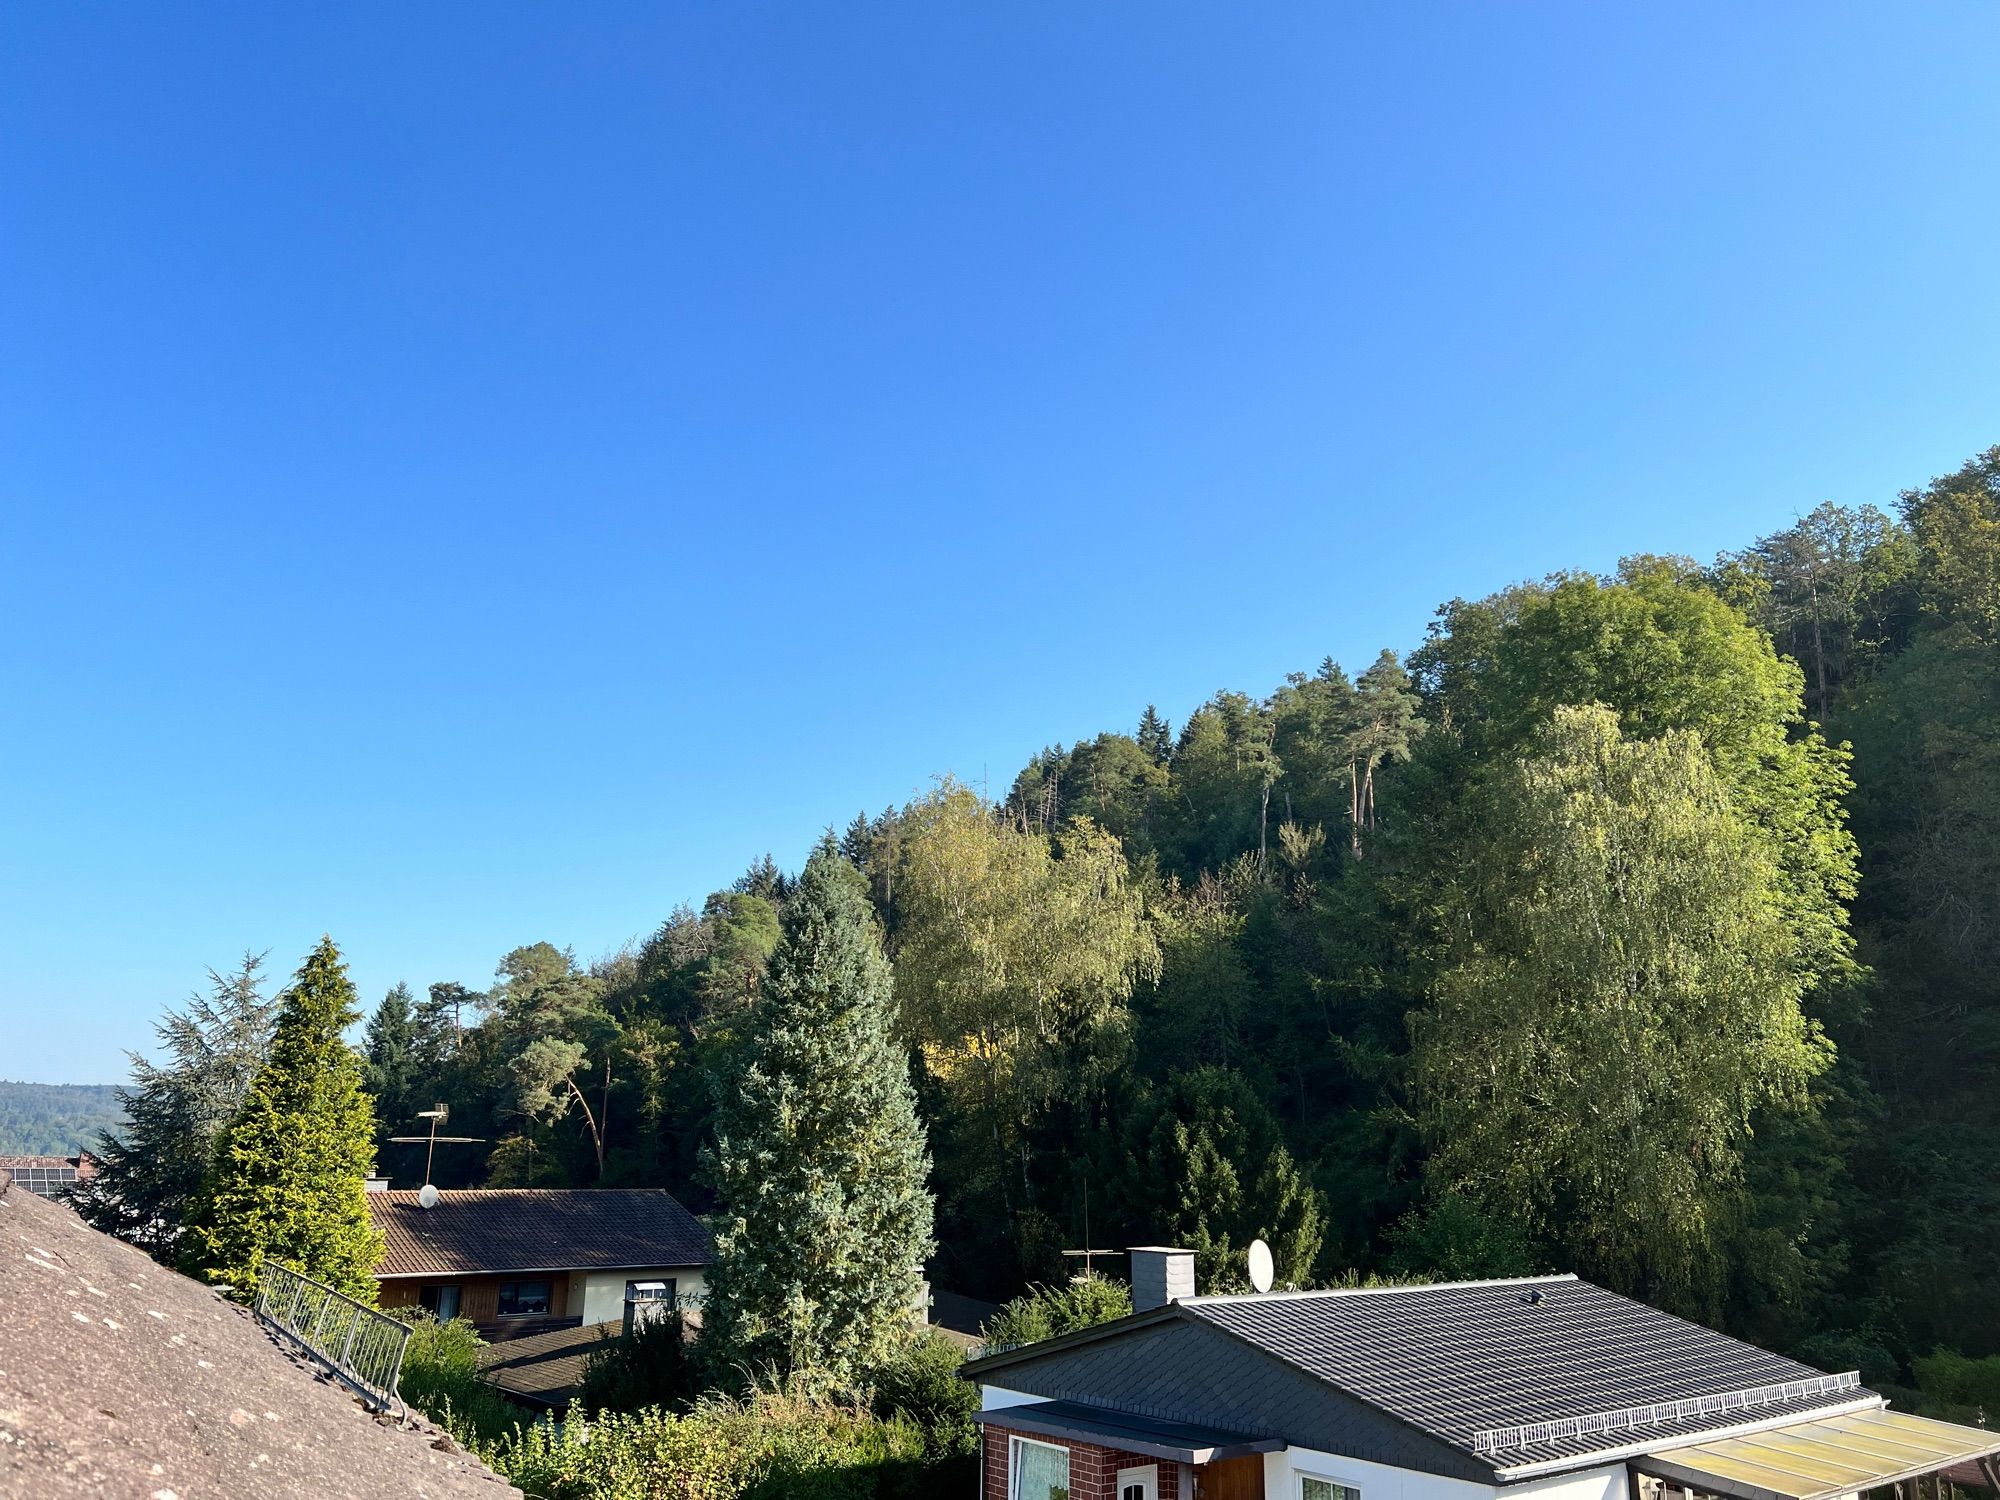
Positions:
{"x": 1160, "y": 1275}
{"x": 646, "y": 1302}
{"x": 376, "y": 1184}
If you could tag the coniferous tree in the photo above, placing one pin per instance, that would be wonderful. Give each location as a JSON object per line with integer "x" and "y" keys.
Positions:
{"x": 287, "y": 1181}
{"x": 1156, "y": 736}
{"x": 390, "y": 1046}
{"x": 150, "y": 1171}
{"x": 819, "y": 1155}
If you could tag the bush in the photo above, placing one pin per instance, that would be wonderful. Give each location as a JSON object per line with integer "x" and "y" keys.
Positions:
{"x": 1965, "y": 1389}
{"x": 441, "y": 1379}
{"x": 769, "y": 1447}
{"x": 921, "y": 1384}
{"x": 651, "y": 1366}
{"x": 1045, "y": 1312}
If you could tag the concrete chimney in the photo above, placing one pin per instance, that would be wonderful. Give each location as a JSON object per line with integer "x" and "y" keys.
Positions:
{"x": 1160, "y": 1275}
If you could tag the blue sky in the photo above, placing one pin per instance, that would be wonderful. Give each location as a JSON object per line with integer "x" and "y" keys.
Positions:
{"x": 479, "y": 473}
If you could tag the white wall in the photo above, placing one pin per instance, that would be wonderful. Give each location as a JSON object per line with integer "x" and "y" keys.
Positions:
{"x": 993, "y": 1397}
{"x": 604, "y": 1291}
{"x": 1381, "y": 1482}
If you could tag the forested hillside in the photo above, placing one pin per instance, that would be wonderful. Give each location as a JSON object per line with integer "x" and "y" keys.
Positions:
{"x": 1644, "y": 925}
{"x": 54, "y": 1119}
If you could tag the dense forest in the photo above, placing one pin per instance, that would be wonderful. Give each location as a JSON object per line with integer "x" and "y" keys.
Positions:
{"x": 54, "y": 1119}
{"x": 1641, "y": 925}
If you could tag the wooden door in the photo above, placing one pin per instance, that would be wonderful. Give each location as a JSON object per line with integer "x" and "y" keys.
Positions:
{"x": 1231, "y": 1479}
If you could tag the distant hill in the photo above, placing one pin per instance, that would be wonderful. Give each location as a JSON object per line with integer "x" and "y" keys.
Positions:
{"x": 54, "y": 1119}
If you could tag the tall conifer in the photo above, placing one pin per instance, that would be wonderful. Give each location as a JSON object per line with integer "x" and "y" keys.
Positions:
{"x": 819, "y": 1155}
{"x": 288, "y": 1179}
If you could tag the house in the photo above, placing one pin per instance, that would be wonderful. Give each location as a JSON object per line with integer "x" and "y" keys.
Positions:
{"x": 49, "y": 1176}
{"x": 119, "y": 1377}
{"x": 1544, "y": 1387}
{"x": 526, "y": 1260}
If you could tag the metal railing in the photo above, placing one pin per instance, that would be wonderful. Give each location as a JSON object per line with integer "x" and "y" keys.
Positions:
{"x": 1493, "y": 1439}
{"x": 358, "y": 1346}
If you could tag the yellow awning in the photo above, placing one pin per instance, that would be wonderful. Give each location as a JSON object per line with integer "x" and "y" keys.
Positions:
{"x": 1822, "y": 1458}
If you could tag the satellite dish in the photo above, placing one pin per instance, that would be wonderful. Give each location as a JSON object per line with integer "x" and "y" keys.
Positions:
{"x": 1260, "y": 1265}
{"x": 427, "y": 1197}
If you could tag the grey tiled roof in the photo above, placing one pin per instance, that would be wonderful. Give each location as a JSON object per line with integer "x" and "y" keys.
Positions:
{"x": 1411, "y": 1376}
{"x": 535, "y": 1229}
{"x": 1457, "y": 1360}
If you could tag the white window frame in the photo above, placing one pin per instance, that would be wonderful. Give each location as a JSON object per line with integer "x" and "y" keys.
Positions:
{"x": 1302, "y": 1475}
{"x": 1015, "y": 1443}
{"x": 1146, "y": 1474}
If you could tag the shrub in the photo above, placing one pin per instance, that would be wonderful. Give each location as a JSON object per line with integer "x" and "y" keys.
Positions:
{"x": 1952, "y": 1385}
{"x": 651, "y": 1366}
{"x": 441, "y": 1380}
{"x": 1045, "y": 1312}
{"x": 921, "y": 1384}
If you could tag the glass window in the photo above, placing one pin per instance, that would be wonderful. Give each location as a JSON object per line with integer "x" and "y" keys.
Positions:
{"x": 1325, "y": 1489}
{"x": 524, "y": 1299}
{"x": 1041, "y": 1471}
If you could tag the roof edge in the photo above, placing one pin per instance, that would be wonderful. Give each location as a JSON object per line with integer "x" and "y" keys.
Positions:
{"x": 637, "y": 1265}
{"x": 1378, "y": 1291}
{"x": 973, "y": 1369}
{"x": 1869, "y": 1402}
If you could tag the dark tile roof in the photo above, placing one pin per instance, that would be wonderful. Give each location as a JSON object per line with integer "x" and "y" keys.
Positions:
{"x": 545, "y": 1368}
{"x": 121, "y": 1378}
{"x": 485, "y": 1230}
{"x": 1448, "y": 1367}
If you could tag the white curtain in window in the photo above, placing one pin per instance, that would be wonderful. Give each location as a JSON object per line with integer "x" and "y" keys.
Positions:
{"x": 1040, "y": 1471}
{"x": 1325, "y": 1489}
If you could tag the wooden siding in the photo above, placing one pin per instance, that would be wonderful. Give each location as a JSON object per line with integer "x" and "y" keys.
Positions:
{"x": 479, "y": 1296}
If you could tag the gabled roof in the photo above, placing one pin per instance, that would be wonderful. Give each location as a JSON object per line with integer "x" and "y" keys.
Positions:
{"x": 1521, "y": 1376}
{"x": 484, "y": 1231}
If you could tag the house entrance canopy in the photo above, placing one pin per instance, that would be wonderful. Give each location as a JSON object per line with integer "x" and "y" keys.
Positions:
{"x": 1826, "y": 1457}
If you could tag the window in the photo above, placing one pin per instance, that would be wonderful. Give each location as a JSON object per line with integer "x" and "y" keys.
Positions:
{"x": 1036, "y": 1471}
{"x": 524, "y": 1299}
{"x": 442, "y": 1301}
{"x": 1311, "y": 1488}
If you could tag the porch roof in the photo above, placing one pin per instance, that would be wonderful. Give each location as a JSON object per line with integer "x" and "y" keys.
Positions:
{"x": 1155, "y": 1437}
{"x": 1822, "y": 1458}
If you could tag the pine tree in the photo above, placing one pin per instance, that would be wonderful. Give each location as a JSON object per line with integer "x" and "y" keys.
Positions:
{"x": 150, "y": 1171}
{"x": 287, "y": 1181}
{"x": 390, "y": 1045}
{"x": 819, "y": 1155}
{"x": 1155, "y": 736}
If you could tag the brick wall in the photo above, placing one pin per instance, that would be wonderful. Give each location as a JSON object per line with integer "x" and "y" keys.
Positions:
{"x": 1093, "y": 1471}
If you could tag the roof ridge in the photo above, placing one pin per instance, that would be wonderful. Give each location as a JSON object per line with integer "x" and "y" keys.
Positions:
{"x": 1213, "y": 1298}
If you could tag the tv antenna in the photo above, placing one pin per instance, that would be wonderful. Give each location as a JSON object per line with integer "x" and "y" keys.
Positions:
{"x": 1088, "y": 1257}
{"x": 437, "y": 1114}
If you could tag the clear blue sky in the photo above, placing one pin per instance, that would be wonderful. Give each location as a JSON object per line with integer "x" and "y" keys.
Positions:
{"x": 479, "y": 473}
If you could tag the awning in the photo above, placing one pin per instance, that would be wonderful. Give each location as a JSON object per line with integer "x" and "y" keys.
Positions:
{"x": 1822, "y": 1458}
{"x": 1154, "y": 1437}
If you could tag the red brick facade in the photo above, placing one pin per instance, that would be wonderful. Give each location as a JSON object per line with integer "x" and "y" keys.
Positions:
{"x": 1093, "y": 1471}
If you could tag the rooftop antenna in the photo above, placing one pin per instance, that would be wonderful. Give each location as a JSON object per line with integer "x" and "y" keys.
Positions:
{"x": 437, "y": 1114}
{"x": 1087, "y": 1256}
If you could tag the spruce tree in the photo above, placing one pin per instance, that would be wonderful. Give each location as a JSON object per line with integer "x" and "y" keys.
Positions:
{"x": 391, "y": 1069}
{"x": 1155, "y": 736}
{"x": 819, "y": 1155}
{"x": 287, "y": 1180}
{"x": 150, "y": 1170}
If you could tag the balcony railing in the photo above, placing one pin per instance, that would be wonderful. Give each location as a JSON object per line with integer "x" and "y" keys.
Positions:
{"x": 360, "y": 1347}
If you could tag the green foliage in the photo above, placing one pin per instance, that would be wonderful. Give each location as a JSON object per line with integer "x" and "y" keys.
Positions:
{"x": 920, "y": 1383}
{"x": 1620, "y": 993}
{"x": 1206, "y": 1168}
{"x": 1046, "y": 1312}
{"x": 1967, "y": 1388}
{"x": 288, "y": 1172}
{"x": 818, "y": 1154}
{"x": 1451, "y": 1238}
{"x": 56, "y": 1119}
{"x": 770, "y": 1447}
{"x": 441, "y": 1379}
{"x": 650, "y": 1366}
{"x": 151, "y": 1171}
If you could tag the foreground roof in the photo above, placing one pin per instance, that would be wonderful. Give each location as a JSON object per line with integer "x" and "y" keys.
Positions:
{"x": 1501, "y": 1379}
{"x": 1831, "y": 1457}
{"x": 118, "y": 1377}
{"x": 489, "y": 1230}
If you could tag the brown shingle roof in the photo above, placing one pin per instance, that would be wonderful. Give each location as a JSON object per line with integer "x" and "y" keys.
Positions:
{"x": 484, "y": 1230}
{"x": 120, "y": 1378}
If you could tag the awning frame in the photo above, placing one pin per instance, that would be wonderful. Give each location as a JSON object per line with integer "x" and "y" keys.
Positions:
{"x": 1823, "y": 1456}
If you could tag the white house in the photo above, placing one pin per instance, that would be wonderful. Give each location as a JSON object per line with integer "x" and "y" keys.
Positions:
{"x": 1544, "y": 1388}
